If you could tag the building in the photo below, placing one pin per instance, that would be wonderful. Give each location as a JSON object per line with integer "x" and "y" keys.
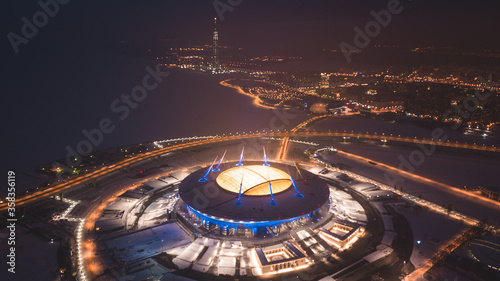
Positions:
{"x": 325, "y": 81}
{"x": 281, "y": 258}
{"x": 490, "y": 192}
{"x": 215, "y": 50}
{"x": 339, "y": 232}
{"x": 254, "y": 199}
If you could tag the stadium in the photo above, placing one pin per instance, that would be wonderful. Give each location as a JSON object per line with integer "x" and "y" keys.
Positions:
{"x": 254, "y": 198}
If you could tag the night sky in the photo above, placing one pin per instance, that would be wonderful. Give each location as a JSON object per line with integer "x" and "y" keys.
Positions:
{"x": 265, "y": 25}
{"x": 53, "y": 81}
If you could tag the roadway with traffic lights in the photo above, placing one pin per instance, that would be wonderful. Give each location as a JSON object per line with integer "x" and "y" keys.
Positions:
{"x": 298, "y": 131}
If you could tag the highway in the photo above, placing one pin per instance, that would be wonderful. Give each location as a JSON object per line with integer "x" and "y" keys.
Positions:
{"x": 285, "y": 142}
{"x": 296, "y": 132}
{"x": 87, "y": 246}
{"x": 424, "y": 180}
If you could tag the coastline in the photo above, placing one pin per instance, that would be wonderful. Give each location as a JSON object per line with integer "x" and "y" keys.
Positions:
{"x": 257, "y": 102}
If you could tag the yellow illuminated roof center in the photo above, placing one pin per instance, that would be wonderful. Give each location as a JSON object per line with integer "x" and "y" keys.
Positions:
{"x": 255, "y": 180}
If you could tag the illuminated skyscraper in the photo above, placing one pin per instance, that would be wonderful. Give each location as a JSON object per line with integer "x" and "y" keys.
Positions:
{"x": 215, "y": 47}
{"x": 325, "y": 80}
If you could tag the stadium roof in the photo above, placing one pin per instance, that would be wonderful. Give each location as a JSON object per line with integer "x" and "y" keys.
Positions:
{"x": 254, "y": 180}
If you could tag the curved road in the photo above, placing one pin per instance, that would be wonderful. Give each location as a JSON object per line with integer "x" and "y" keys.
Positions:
{"x": 296, "y": 132}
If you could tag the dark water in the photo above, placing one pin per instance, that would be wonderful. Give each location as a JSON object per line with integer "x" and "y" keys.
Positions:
{"x": 55, "y": 100}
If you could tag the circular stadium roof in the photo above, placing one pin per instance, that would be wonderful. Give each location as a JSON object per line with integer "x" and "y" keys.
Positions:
{"x": 211, "y": 198}
{"x": 254, "y": 180}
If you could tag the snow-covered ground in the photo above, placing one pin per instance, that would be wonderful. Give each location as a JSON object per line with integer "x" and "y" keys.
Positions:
{"x": 148, "y": 242}
{"x": 427, "y": 227}
{"x": 32, "y": 256}
{"x": 440, "y": 195}
{"x": 405, "y": 129}
{"x": 456, "y": 169}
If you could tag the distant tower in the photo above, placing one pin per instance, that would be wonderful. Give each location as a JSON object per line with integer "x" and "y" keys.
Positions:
{"x": 215, "y": 47}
